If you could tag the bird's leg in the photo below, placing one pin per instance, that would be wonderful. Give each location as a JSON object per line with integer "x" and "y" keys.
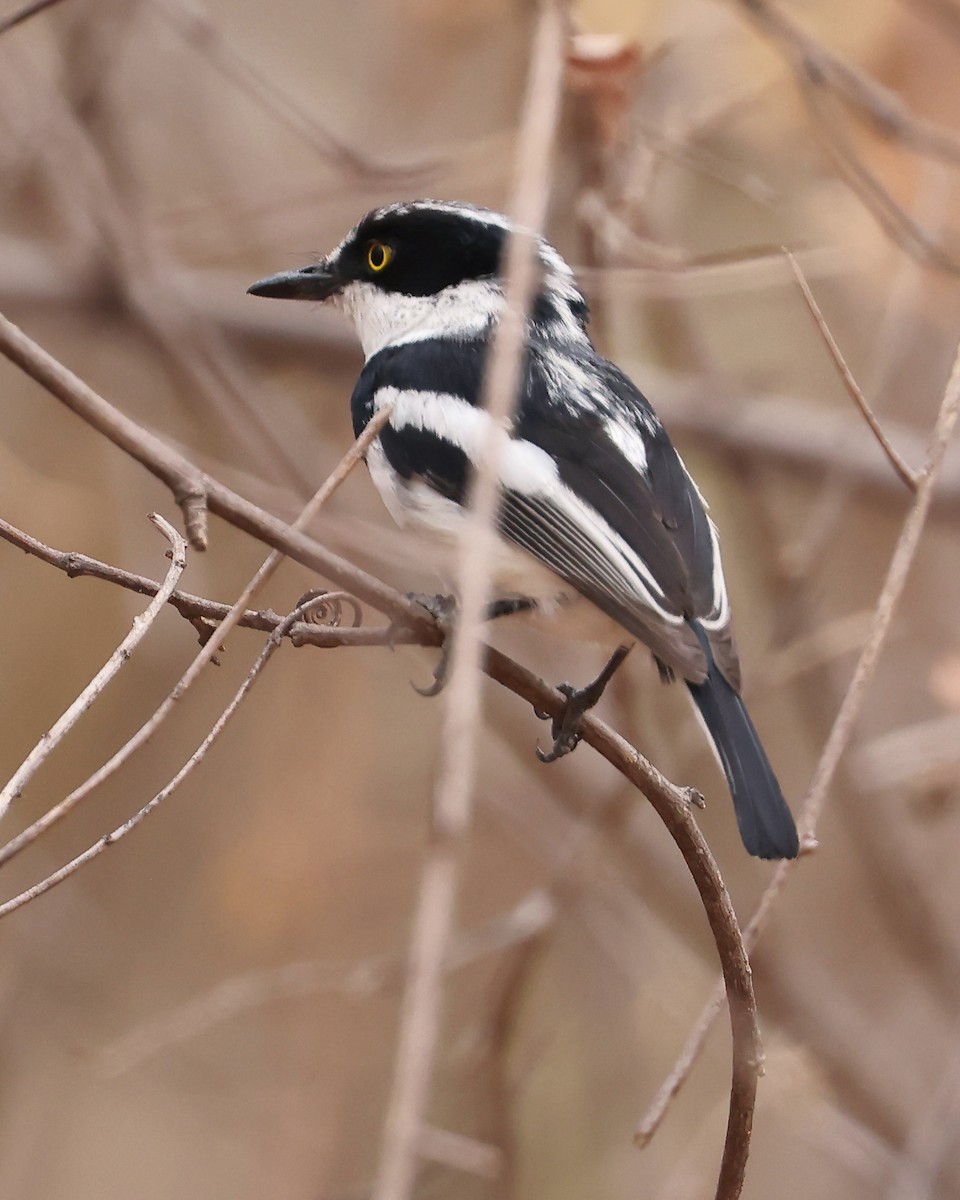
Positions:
{"x": 565, "y": 729}
{"x": 444, "y": 609}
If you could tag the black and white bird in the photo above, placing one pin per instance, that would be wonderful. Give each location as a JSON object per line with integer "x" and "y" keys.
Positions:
{"x": 595, "y": 502}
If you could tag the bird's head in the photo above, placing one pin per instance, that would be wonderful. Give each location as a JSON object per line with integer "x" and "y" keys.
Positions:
{"x": 428, "y": 268}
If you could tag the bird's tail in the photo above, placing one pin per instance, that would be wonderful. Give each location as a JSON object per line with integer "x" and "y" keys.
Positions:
{"x": 766, "y": 824}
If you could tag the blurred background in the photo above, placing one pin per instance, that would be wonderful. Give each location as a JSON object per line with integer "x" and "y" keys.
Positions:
{"x": 210, "y": 1008}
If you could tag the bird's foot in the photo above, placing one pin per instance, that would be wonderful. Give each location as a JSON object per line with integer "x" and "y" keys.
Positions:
{"x": 565, "y": 729}
{"x": 444, "y": 610}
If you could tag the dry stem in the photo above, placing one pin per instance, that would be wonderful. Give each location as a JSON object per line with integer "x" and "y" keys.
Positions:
{"x": 906, "y": 473}
{"x": 840, "y": 733}
{"x": 123, "y": 653}
{"x": 205, "y": 655}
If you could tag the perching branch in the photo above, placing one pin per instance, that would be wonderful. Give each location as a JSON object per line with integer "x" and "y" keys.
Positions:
{"x": 205, "y": 655}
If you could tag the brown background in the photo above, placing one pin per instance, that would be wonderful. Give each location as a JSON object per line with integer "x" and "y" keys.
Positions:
{"x": 152, "y": 164}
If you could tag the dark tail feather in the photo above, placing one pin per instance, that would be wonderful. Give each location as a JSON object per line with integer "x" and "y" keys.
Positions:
{"x": 766, "y": 825}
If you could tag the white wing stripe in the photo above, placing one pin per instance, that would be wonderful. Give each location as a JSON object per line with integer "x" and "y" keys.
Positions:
{"x": 531, "y": 474}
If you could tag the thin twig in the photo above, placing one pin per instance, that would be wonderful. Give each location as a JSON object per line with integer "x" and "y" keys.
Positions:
{"x": 906, "y": 472}
{"x": 840, "y": 733}
{"x": 109, "y": 839}
{"x": 195, "y": 490}
{"x": 123, "y": 653}
{"x": 204, "y": 656}
{"x": 206, "y": 615}
{"x": 435, "y": 915}
{"x": 75, "y": 565}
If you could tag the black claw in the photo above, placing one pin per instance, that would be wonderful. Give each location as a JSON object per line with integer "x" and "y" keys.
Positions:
{"x": 439, "y": 676}
{"x": 565, "y": 729}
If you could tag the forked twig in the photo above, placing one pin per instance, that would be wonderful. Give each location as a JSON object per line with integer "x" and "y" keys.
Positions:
{"x": 123, "y": 653}
{"x": 203, "y": 657}
{"x": 109, "y": 839}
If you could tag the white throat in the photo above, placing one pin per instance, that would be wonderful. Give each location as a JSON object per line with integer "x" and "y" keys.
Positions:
{"x": 393, "y": 318}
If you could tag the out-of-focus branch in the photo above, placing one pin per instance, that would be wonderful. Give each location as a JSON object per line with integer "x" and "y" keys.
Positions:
{"x": 422, "y": 1007}
{"x": 123, "y": 653}
{"x": 233, "y": 997}
{"x": 208, "y": 39}
{"x": 822, "y": 74}
{"x": 823, "y": 67}
{"x": 840, "y": 733}
{"x": 24, "y": 14}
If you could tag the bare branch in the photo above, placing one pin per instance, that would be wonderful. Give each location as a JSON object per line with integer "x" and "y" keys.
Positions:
{"x": 182, "y": 478}
{"x": 231, "y": 998}
{"x": 199, "y": 491}
{"x": 123, "y": 653}
{"x": 205, "y": 655}
{"x": 906, "y": 473}
{"x": 75, "y": 565}
{"x": 673, "y": 806}
{"x": 463, "y": 1153}
{"x": 56, "y": 877}
{"x": 820, "y": 71}
{"x": 840, "y": 733}
{"x": 198, "y": 30}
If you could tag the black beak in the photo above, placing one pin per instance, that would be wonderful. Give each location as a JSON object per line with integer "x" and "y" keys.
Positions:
{"x": 309, "y": 283}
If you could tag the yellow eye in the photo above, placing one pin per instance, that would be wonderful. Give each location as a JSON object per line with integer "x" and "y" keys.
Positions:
{"x": 378, "y": 255}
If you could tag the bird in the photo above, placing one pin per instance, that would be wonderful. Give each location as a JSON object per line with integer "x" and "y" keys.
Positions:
{"x": 596, "y": 509}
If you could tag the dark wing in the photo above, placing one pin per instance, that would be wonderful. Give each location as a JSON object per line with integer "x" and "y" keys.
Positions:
{"x": 593, "y": 490}
{"x": 615, "y": 457}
